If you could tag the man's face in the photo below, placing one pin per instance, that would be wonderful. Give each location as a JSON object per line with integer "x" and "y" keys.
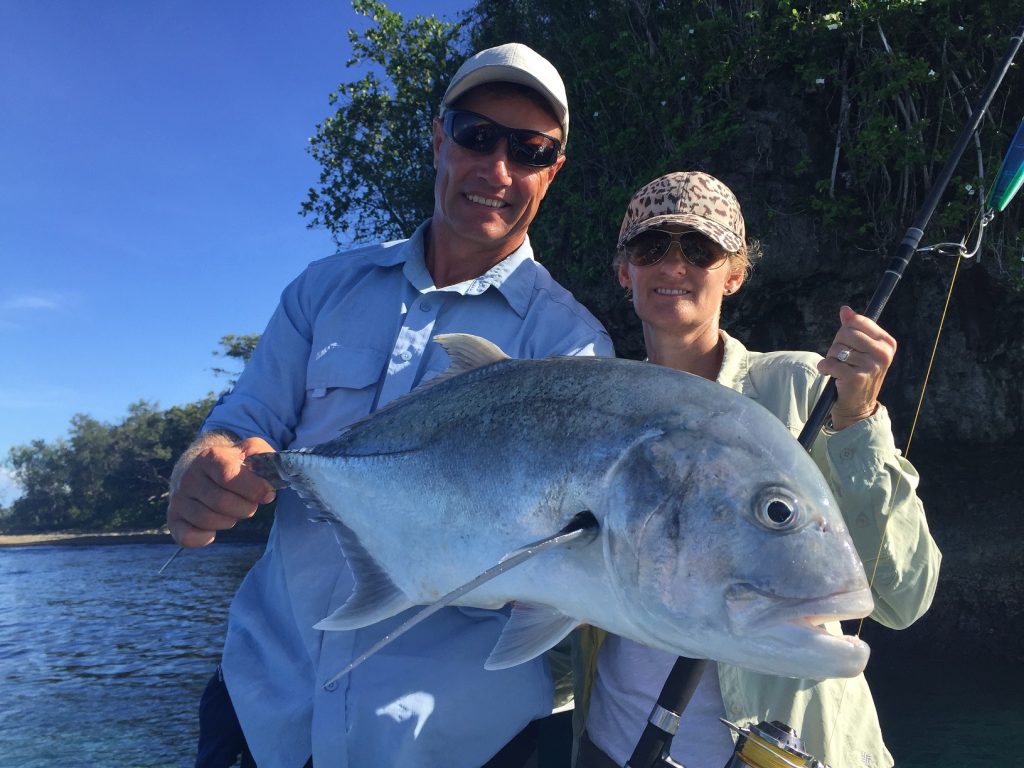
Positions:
{"x": 486, "y": 202}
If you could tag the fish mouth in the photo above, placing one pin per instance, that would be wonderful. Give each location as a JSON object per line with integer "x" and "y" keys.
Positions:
{"x": 794, "y": 626}
{"x": 752, "y": 609}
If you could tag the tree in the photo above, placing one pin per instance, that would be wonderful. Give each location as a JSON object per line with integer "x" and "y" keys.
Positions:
{"x": 376, "y": 178}
{"x": 103, "y": 477}
{"x": 41, "y": 470}
{"x": 239, "y": 348}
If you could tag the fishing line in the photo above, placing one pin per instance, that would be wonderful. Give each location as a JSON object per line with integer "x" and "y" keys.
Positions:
{"x": 906, "y": 451}
{"x": 981, "y": 221}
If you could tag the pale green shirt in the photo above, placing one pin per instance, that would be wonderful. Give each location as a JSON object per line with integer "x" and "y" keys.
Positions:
{"x": 873, "y": 484}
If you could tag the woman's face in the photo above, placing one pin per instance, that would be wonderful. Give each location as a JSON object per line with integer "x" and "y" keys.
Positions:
{"x": 673, "y": 294}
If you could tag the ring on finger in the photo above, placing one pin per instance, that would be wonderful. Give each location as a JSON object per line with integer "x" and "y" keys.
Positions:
{"x": 843, "y": 356}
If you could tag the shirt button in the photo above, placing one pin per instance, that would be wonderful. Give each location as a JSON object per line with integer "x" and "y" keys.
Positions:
{"x": 331, "y": 686}
{"x": 426, "y": 306}
{"x": 406, "y": 356}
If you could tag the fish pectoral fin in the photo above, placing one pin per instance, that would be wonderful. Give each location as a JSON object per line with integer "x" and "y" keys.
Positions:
{"x": 372, "y": 601}
{"x": 374, "y": 597}
{"x": 531, "y": 630}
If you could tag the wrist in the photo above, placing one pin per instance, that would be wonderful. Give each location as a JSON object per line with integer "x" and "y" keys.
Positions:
{"x": 838, "y": 421}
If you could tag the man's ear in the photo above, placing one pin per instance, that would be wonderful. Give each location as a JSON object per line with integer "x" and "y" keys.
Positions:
{"x": 437, "y": 138}
{"x": 554, "y": 168}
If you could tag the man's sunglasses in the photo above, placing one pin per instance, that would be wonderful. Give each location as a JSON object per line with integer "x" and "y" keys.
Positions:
{"x": 648, "y": 248}
{"x": 481, "y": 134}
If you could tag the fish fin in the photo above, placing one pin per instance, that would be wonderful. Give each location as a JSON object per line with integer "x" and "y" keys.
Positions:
{"x": 374, "y": 597}
{"x": 531, "y": 630}
{"x": 268, "y": 466}
{"x": 467, "y": 353}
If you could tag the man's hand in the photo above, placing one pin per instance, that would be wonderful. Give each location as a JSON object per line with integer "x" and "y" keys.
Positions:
{"x": 211, "y": 490}
{"x": 858, "y": 360}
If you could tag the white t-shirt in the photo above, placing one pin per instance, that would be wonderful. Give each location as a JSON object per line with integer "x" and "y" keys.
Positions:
{"x": 621, "y": 704}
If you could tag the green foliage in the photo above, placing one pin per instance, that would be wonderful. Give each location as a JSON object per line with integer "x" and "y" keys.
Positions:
{"x": 102, "y": 477}
{"x": 42, "y": 470}
{"x": 236, "y": 347}
{"x": 867, "y": 96}
{"x": 831, "y": 119}
{"x": 377, "y": 167}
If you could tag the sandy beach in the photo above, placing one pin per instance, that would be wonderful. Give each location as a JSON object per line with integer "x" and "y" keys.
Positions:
{"x": 68, "y": 538}
{"x": 240, "y": 534}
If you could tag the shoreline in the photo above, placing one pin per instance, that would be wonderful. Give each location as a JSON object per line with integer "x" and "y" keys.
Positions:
{"x": 70, "y": 538}
{"x": 73, "y": 538}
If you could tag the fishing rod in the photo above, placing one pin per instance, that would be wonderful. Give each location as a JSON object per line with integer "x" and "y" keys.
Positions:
{"x": 652, "y": 751}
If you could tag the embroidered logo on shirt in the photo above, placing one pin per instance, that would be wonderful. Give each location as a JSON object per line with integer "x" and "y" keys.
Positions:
{"x": 325, "y": 350}
{"x": 418, "y": 704}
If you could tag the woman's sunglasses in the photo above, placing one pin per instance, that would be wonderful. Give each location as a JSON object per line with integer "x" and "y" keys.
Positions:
{"x": 648, "y": 248}
{"x": 481, "y": 134}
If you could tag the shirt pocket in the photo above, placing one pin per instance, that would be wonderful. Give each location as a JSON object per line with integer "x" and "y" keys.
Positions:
{"x": 340, "y": 388}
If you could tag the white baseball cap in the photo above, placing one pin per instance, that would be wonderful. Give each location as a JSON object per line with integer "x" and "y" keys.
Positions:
{"x": 512, "y": 63}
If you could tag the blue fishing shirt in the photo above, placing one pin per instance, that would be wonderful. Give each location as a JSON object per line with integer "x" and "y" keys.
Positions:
{"x": 352, "y": 333}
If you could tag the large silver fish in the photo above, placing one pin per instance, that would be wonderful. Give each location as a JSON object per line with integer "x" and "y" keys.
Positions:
{"x": 718, "y": 537}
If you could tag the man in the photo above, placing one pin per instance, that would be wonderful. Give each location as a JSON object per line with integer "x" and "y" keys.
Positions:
{"x": 352, "y": 333}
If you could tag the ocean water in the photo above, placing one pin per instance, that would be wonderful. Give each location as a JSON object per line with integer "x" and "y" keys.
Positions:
{"x": 953, "y": 710}
{"x": 102, "y": 663}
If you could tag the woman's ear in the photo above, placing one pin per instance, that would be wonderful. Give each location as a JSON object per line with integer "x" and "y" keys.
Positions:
{"x": 734, "y": 281}
{"x": 624, "y": 280}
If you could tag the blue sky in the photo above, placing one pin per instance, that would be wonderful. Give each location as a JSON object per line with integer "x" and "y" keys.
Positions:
{"x": 152, "y": 164}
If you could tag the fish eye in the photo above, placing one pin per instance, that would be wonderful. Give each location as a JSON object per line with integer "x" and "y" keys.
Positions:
{"x": 777, "y": 509}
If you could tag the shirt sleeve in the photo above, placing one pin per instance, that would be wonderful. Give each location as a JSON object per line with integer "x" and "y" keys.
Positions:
{"x": 268, "y": 397}
{"x": 876, "y": 490}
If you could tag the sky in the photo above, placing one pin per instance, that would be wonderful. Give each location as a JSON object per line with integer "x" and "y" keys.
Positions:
{"x": 152, "y": 165}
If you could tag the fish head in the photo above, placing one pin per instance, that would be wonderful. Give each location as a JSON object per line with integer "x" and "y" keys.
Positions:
{"x": 731, "y": 546}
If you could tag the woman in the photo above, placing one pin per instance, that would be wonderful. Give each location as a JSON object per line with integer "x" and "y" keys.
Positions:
{"x": 682, "y": 248}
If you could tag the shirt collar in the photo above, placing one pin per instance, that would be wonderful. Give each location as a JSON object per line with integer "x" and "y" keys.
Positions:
{"x": 513, "y": 276}
{"x": 734, "y": 361}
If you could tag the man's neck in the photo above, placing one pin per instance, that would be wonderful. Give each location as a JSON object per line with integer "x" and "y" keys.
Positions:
{"x": 453, "y": 260}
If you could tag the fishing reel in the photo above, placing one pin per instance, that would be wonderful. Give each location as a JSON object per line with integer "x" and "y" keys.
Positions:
{"x": 765, "y": 745}
{"x": 770, "y": 745}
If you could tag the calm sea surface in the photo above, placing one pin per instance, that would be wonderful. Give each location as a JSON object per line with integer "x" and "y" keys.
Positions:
{"x": 102, "y": 663}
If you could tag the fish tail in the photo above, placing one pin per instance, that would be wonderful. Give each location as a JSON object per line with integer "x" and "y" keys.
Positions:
{"x": 268, "y": 466}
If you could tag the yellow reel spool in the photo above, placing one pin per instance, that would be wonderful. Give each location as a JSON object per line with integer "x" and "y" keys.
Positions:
{"x": 770, "y": 745}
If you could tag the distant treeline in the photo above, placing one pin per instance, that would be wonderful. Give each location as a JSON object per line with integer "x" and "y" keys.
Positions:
{"x": 102, "y": 477}
{"x": 108, "y": 477}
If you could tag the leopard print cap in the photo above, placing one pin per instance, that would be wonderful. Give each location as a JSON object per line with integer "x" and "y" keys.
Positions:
{"x": 691, "y": 198}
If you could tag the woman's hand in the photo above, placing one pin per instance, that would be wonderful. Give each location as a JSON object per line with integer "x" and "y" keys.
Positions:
{"x": 858, "y": 360}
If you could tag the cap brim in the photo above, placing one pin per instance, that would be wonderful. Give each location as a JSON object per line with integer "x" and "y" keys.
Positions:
{"x": 504, "y": 73}
{"x": 724, "y": 236}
